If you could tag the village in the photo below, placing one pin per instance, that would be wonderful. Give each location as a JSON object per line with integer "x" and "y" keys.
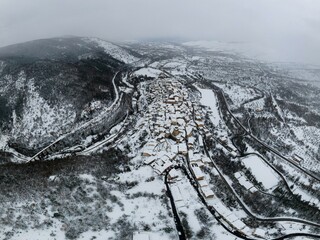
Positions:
{"x": 177, "y": 127}
{"x": 181, "y": 122}
{"x": 174, "y": 121}
{"x": 156, "y": 140}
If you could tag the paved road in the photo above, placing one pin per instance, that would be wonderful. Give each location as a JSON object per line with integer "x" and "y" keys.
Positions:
{"x": 264, "y": 144}
{"x": 45, "y": 150}
{"x": 259, "y": 218}
{"x": 215, "y": 214}
{"x": 177, "y": 220}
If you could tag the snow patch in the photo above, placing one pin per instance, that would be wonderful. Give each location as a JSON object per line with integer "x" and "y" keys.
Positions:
{"x": 114, "y": 51}
{"x": 208, "y": 98}
{"x": 149, "y": 72}
{"x": 262, "y": 172}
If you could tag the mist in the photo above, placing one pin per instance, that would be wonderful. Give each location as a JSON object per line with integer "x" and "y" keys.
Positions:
{"x": 288, "y": 30}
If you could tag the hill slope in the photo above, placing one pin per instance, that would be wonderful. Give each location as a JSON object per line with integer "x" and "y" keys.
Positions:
{"x": 48, "y": 86}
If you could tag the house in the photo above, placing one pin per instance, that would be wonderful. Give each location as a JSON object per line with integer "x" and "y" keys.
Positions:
{"x": 162, "y": 75}
{"x": 200, "y": 139}
{"x": 175, "y": 149}
{"x": 191, "y": 142}
{"x": 208, "y": 135}
{"x": 223, "y": 140}
{"x": 150, "y": 160}
{"x": 231, "y": 218}
{"x": 239, "y": 225}
{"x": 221, "y": 208}
{"x": 173, "y": 174}
{"x": 174, "y": 121}
{"x": 237, "y": 175}
{"x": 259, "y": 233}
{"x": 297, "y": 159}
{"x": 197, "y": 171}
{"x": 207, "y": 192}
{"x": 174, "y": 131}
{"x": 175, "y": 190}
{"x": 233, "y": 154}
{"x": 200, "y": 124}
{"x": 206, "y": 160}
{"x": 161, "y": 136}
{"x": 181, "y": 122}
{"x": 195, "y": 158}
{"x": 171, "y": 155}
{"x": 147, "y": 152}
{"x": 161, "y": 165}
{"x": 198, "y": 116}
{"x": 151, "y": 143}
{"x": 203, "y": 183}
{"x": 170, "y": 101}
{"x": 183, "y": 148}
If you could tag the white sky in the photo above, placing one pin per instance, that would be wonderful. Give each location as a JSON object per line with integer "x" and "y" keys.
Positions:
{"x": 291, "y": 27}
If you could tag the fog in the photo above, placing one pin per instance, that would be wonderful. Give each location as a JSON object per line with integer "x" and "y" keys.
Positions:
{"x": 290, "y": 29}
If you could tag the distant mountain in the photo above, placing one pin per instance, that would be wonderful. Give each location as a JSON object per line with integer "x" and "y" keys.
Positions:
{"x": 46, "y": 86}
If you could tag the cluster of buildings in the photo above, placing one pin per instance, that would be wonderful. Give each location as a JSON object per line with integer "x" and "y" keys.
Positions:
{"x": 245, "y": 182}
{"x": 176, "y": 125}
{"x": 177, "y": 128}
{"x": 297, "y": 159}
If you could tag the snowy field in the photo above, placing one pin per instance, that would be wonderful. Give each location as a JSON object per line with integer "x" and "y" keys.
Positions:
{"x": 114, "y": 51}
{"x": 37, "y": 122}
{"x": 305, "y": 143}
{"x": 199, "y": 218}
{"x": 114, "y": 209}
{"x": 238, "y": 94}
{"x": 149, "y": 72}
{"x": 256, "y": 105}
{"x": 308, "y": 134}
{"x": 262, "y": 172}
{"x": 208, "y": 98}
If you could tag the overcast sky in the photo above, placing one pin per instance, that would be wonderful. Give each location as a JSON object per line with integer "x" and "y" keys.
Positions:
{"x": 289, "y": 27}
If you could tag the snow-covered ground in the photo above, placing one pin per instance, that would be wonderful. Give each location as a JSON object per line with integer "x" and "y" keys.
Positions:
{"x": 37, "y": 121}
{"x": 303, "y": 141}
{"x": 309, "y": 135}
{"x": 131, "y": 200}
{"x": 55, "y": 232}
{"x": 308, "y": 73}
{"x": 198, "y": 217}
{"x": 256, "y": 105}
{"x": 262, "y": 172}
{"x": 114, "y": 51}
{"x": 120, "y": 205}
{"x": 149, "y": 72}
{"x": 208, "y": 98}
{"x": 238, "y": 94}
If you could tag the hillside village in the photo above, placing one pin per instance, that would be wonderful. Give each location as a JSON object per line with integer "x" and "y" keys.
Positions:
{"x": 177, "y": 149}
{"x": 194, "y": 146}
{"x": 176, "y": 123}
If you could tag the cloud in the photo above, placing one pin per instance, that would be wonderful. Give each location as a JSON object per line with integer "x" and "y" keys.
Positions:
{"x": 271, "y": 23}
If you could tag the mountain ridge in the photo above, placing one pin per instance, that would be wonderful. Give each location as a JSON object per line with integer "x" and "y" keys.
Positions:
{"x": 49, "y": 81}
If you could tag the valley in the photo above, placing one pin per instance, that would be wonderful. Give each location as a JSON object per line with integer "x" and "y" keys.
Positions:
{"x": 173, "y": 142}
